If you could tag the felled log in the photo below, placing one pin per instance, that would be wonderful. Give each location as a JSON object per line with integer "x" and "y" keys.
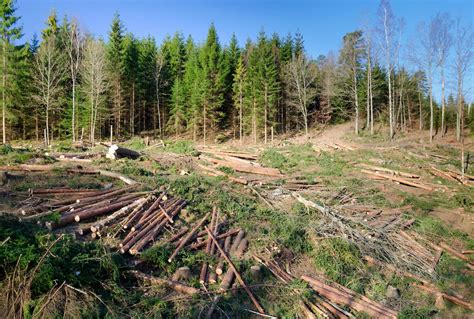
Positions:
{"x": 458, "y": 301}
{"x": 220, "y": 264}
{"x": 188, "y": 237}
{"x": 124, "y": 210}
{"x": 350, "y": 299}
{"x": 244, "y": 168}
{"x": 28, "y": 168}
{"x": 236, "y": 242}
{"x": 386, "y": 170}
{"x": 214, "y": 172}
{"x": 203, "y": 273}
{"x": 84, "y": 215}
{"x": 238, "y": 154}
{"x": 176, "y": 236}
{"x": 237, "y": 275}
{"x": 221, "y": 236}
{"x": 176, "y": 286}
{"x": 116, "y": 152}
{"x": 123, "y": 178}
{"x": 239, "y": 252}
{"x": 397, "y": 179}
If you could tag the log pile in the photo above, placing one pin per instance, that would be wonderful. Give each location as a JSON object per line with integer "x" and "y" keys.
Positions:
{"x": 242, "y": 165}
{"x": 143, "y": 214}
{"x": 380, "y": 173}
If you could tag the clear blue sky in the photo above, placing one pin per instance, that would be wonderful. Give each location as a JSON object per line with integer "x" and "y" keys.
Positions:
{"x": 322, "y": 22}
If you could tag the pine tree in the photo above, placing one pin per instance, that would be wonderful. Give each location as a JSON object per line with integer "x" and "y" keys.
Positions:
{"x": 9, "y": 33}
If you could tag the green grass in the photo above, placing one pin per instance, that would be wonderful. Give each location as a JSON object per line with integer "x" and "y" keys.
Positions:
{"x": 181, "y": 147}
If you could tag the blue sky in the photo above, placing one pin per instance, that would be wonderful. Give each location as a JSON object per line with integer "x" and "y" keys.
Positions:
{"x": 322, "y": 22}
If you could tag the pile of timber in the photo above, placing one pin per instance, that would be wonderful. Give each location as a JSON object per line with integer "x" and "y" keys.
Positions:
{"x": 144, "y": 214}
{"x": 381, "y": 173}
{"x": 241, "y": 165}
{"x": 216, "y": 242}
{"x": 330, "y": 297}
{"x": 146, "y": 220}
{"x": 453, "y": 176}
{"x": 74, "y": 157}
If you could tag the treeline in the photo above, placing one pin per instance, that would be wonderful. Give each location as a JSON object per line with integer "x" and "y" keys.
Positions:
{"x": 70, "y": 84}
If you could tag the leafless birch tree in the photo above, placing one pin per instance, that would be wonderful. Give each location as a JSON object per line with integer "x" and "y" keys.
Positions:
{"x": 49, "y": 70}
{"x": 73, "y": 44}
{"x": 94, "y": 75}
{"x": 301, "y": 78}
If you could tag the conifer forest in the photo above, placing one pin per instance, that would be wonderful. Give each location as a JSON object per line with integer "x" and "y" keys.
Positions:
{"x": 174, "y": 176}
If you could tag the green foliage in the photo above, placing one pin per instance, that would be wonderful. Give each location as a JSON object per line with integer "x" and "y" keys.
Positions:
{"x": 341, "y": 262}
{"x": 272, "y": 158}
{"x": 181, "y": 147}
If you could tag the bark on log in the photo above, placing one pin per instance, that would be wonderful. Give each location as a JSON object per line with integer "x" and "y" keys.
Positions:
{"x": 386, "y": 170}
{"x": 134, "y": 236}
{"x": 176, "y": 286}
{"x": 220, "y": 264}
{"x": 188, "y": 237}
{"x": 118, "y": 214}
{"x": 116, "y": 152}
{"x": 236, "y": 243}
{"x": 176, "y": 236}
{"x": 239, "y": 252}
{"x": 214, "y": 172}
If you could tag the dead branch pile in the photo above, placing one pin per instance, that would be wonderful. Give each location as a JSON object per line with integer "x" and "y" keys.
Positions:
{"x": 330, "y": 297}
{"x": 378, "y": 240}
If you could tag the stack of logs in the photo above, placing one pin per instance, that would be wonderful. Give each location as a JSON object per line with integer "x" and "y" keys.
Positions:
{"x": 233, "y": 243}
{"x": 144, "y": 214}
{"x": 217, "y": 243}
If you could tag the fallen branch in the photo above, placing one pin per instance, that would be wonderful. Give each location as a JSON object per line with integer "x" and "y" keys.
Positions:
{"x": 458, "y": 301}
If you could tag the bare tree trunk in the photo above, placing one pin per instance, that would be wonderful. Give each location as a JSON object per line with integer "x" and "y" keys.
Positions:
{"x": 4, "y": 82}
{"x": 241, "y": 106}
{"x": 421, "y": 110}
{"x": 265, "y": 111}
{"x": 73, "y": 124}
{"x": 431, "y": 111}
{"x": 356, "y": 98}
{"x": 443, "y": 104}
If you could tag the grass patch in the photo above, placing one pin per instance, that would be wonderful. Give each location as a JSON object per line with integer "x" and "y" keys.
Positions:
{"x": 181, "y": 147}
{"x": 341, "y": 261}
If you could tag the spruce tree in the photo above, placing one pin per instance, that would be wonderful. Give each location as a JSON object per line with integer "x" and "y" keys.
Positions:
{"x": 212, "y": 83}
{"x": 116, "y": 66}
{"x": 238, "y": 90}
{"x": 130, "y": 51}
{"x": 9, "y": 33}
